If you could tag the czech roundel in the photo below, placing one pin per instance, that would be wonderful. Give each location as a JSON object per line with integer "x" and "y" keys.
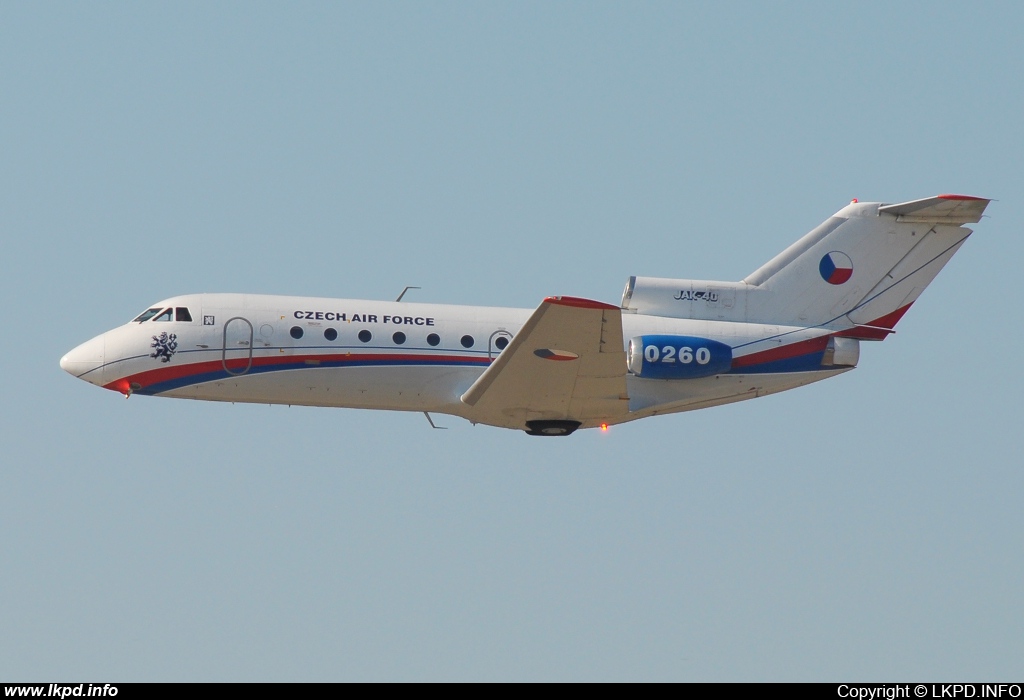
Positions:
{"x": 836, "y": 268}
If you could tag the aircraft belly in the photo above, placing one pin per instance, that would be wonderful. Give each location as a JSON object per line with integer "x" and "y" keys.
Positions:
{"x": 649, "y": 397}
{"x": 390, "y": 388}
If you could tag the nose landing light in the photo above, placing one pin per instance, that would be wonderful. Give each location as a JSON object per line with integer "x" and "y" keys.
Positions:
{"x": 123, "y": 386}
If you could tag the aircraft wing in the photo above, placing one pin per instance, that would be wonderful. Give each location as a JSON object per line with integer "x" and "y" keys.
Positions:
{"x": 944, "y": 209}
{"x": 566, "y": 363}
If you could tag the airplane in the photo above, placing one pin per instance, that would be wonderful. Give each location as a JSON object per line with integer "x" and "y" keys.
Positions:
{"x": 671, "y": 345}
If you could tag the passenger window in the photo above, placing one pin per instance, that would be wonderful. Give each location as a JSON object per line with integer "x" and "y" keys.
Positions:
{"x": 182, "y": 314}
{"x": 399, "y": 338}
{"x": 433, "y": 339}
{"x": 467, "y": 341}
{"x": 167, "y": 315}
{"x": 148, "y": 314}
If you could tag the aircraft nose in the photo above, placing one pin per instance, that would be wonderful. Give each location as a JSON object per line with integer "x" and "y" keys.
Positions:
{"x": 83, "y": 361}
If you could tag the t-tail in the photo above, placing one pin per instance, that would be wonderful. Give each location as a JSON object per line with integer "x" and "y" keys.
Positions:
{"x": 857, "y": 273}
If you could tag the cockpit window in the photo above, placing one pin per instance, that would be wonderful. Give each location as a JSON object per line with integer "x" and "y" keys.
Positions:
{"x": 150, "y": 313}
{"x": 166, "y": 315}
{"x": 182, "y": 314}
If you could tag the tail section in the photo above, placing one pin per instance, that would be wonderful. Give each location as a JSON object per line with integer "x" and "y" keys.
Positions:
{"x": 864, "y": 266}
{"x": 857, "y": 273}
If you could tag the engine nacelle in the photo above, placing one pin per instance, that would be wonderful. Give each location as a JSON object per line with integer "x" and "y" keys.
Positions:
{"x": 677, "y": 357}
{"x": 841, "y": 352}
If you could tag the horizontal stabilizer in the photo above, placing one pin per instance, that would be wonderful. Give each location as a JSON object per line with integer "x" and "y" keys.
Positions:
{"x": 943, "y": 209}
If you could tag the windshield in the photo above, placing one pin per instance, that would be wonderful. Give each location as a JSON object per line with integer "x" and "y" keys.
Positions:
{"x": 148, "y": 314}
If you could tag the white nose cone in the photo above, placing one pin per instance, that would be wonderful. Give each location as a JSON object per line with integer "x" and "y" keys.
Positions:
{"x": 85, "y": 361}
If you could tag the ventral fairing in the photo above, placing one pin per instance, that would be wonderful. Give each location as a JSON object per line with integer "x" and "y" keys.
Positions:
{"x": 671, "y": 345}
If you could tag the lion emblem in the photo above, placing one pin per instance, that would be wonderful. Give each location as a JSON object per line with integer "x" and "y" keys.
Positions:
{"x": 164, "y": 346}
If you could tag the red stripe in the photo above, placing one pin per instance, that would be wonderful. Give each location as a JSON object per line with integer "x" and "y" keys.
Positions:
{"x": 580, "y": 303}
{"x": 865, "y": 333}
{"x": 879, "y": 329}
{"x": 164, "y": 374}
{"x": 963, "y": 197}
{"x": 783, "y": 352}
{"x": 890, "y": 320}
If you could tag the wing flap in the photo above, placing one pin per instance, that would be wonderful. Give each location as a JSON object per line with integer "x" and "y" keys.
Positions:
{"x": 567, "y": 362}
{"x": 942, "y": 209}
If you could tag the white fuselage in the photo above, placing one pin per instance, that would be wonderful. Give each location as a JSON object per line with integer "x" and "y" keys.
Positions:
{"x": 671, "y": 345}
{"x": 394, "y": 355}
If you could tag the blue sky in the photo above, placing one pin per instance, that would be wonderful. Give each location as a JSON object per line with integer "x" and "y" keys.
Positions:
{"x": 864, "y": 528}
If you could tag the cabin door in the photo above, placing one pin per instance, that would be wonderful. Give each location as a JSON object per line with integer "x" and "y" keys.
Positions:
{"x": 236, "y": 355}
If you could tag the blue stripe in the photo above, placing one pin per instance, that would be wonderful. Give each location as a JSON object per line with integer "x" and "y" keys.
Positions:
{"x": 220, "y": 374}
{"x": 810, "y": 362}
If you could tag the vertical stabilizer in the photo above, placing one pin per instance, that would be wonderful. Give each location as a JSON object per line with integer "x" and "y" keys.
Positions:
{"x": 862, "y": 267}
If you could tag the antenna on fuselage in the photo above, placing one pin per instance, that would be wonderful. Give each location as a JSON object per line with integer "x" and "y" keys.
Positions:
{"x": 404, "y": 291}
{"x": 431, "y": 421}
